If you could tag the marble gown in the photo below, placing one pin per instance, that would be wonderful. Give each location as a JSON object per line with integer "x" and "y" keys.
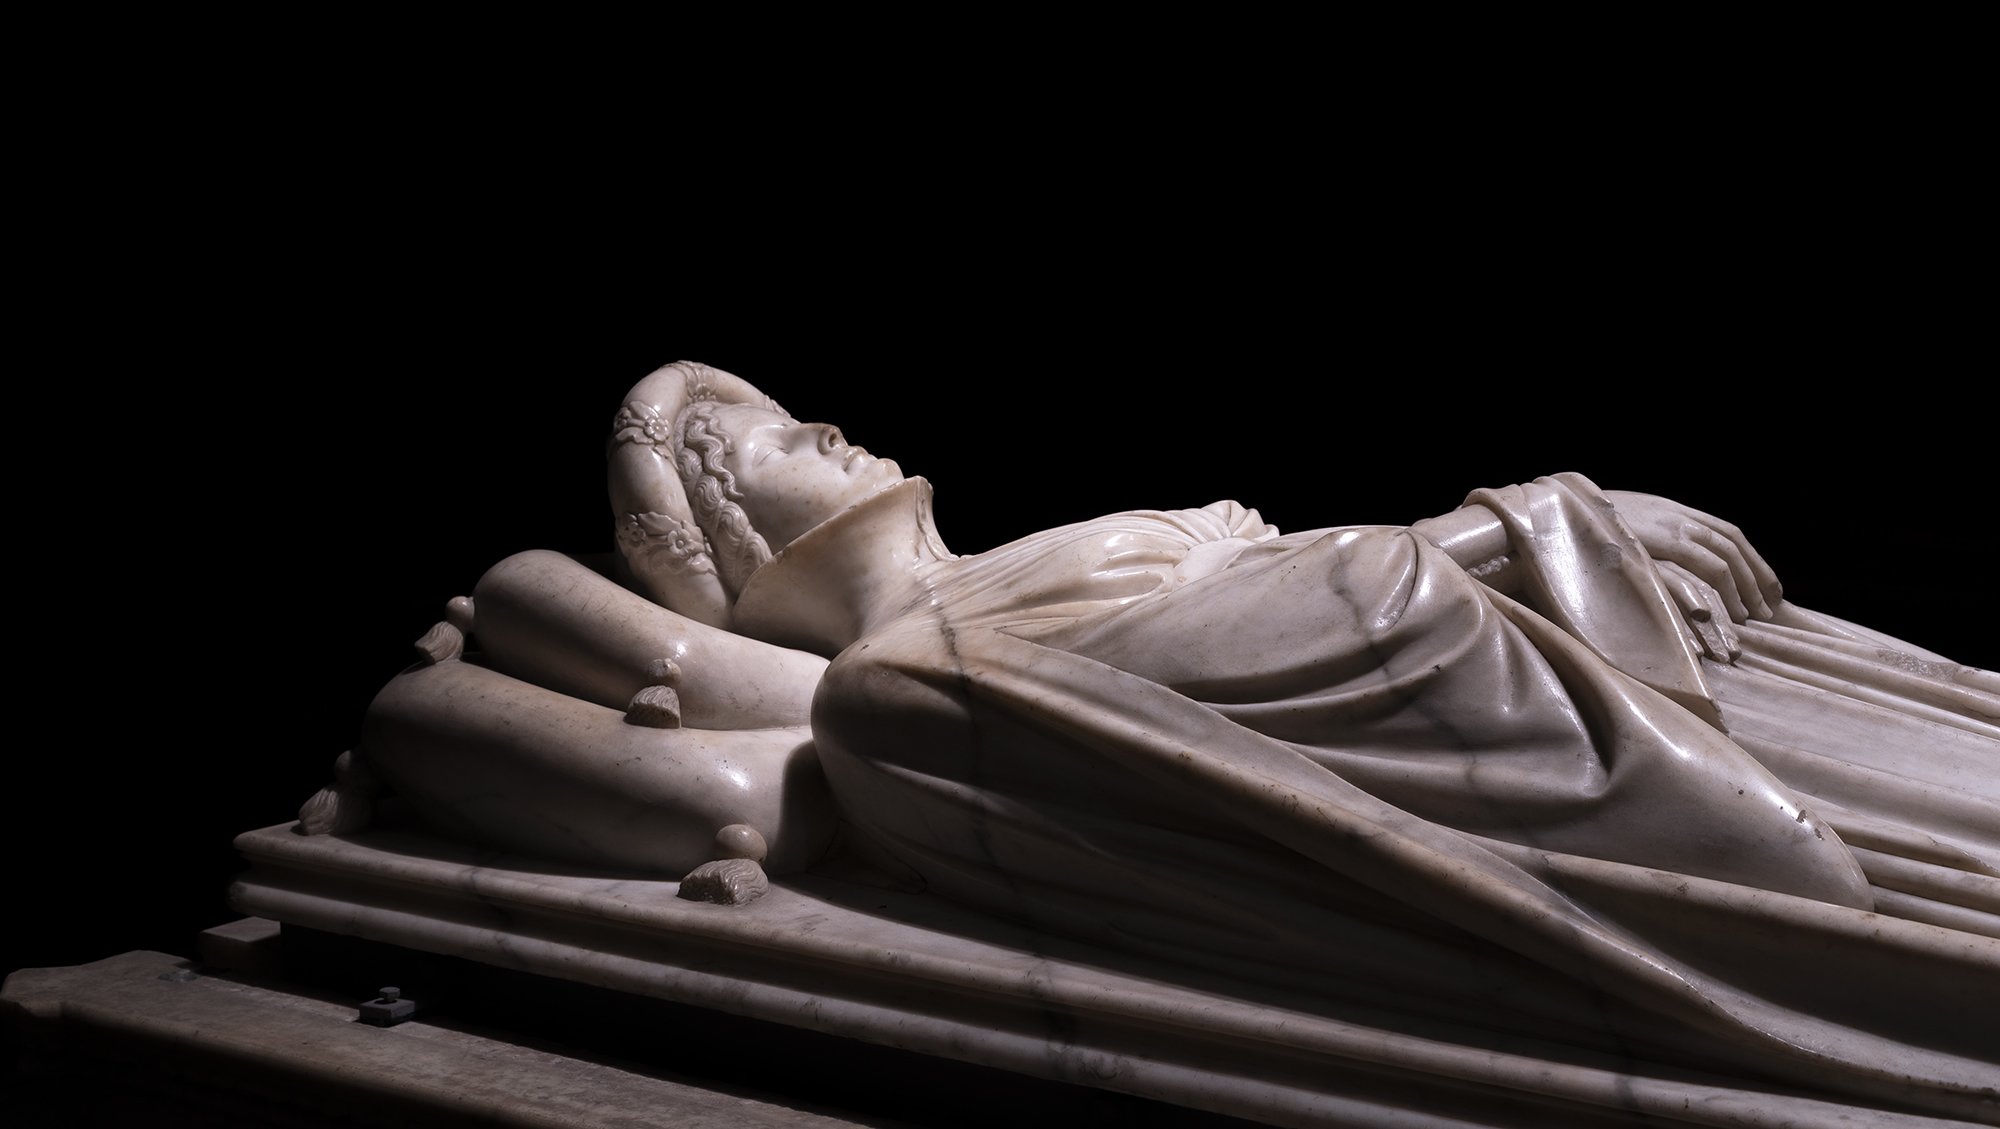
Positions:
{"x": 1335, "y": 761}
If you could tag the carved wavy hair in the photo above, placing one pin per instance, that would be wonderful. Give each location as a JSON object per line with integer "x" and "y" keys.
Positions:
{"x": 712, "y": 494}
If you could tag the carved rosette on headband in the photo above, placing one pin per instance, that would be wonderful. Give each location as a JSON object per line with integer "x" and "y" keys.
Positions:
{"x": 657, "y": 533}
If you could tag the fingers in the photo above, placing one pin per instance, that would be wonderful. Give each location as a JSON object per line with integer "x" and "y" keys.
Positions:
{"x": 1747, "y": 597}
{"x": 1702, "y": 607}
{"x": 1688, "y": 592}
{"x": 1755, "y": 581}
{"x": 1714, "y": 550}
{"x": 1766, "y": 578}
{"x": 1710, "y": 568}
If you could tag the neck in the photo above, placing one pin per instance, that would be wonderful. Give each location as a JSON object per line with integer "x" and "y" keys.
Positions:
{"x": 846, "y": 575}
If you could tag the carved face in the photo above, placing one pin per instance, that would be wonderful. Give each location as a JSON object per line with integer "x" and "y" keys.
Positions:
{"x": 793, "y": 475}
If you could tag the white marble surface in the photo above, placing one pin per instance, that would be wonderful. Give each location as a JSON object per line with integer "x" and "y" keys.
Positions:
{"x": 901, "y": 969}
{"x": 1564, "y": 756}
{"x": 304, "y": 1054}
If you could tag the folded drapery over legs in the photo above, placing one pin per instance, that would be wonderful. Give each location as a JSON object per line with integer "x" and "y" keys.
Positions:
{"x": 1454, "y": 764}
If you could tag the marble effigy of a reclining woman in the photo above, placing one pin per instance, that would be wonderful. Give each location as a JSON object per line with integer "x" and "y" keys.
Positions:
{"x": 1563, "y": 753}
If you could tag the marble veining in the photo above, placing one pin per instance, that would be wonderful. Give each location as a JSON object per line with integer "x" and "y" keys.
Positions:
{"x": 1563, "y": 759}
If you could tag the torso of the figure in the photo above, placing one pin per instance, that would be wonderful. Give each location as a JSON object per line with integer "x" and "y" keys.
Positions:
{"x": 1091, "y": 568}
{"x": 1069, "y": 672}
{"x": 1182, "y": 735}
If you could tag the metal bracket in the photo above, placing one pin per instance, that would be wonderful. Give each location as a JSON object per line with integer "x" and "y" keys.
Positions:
{"x": 388, "y": 1009}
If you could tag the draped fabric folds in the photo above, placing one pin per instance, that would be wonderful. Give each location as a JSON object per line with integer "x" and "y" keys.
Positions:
{"x": 1334, "y": 760}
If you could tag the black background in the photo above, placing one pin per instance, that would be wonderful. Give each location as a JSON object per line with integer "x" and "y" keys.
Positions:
{"x": 289, "y": 416}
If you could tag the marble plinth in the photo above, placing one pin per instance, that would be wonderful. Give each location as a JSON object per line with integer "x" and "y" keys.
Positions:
{"x": 855, "y": 957}
{"x": 225, "y": 1048}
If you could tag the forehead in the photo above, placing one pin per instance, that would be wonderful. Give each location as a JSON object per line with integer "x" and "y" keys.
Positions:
{"x": 739, "y": 420}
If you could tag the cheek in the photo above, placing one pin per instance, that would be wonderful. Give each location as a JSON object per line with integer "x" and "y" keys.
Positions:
{"x": 806, "y": 482}
{"x": 794, "y": 497}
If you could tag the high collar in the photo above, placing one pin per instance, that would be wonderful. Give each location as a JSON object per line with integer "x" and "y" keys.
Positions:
{"x": 843, "y": 576}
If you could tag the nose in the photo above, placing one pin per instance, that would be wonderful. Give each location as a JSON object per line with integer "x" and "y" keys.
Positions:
{"x": 826, "y": 435}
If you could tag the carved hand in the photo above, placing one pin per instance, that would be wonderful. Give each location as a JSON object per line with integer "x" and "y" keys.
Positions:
{"x": 1712, "y": 551}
